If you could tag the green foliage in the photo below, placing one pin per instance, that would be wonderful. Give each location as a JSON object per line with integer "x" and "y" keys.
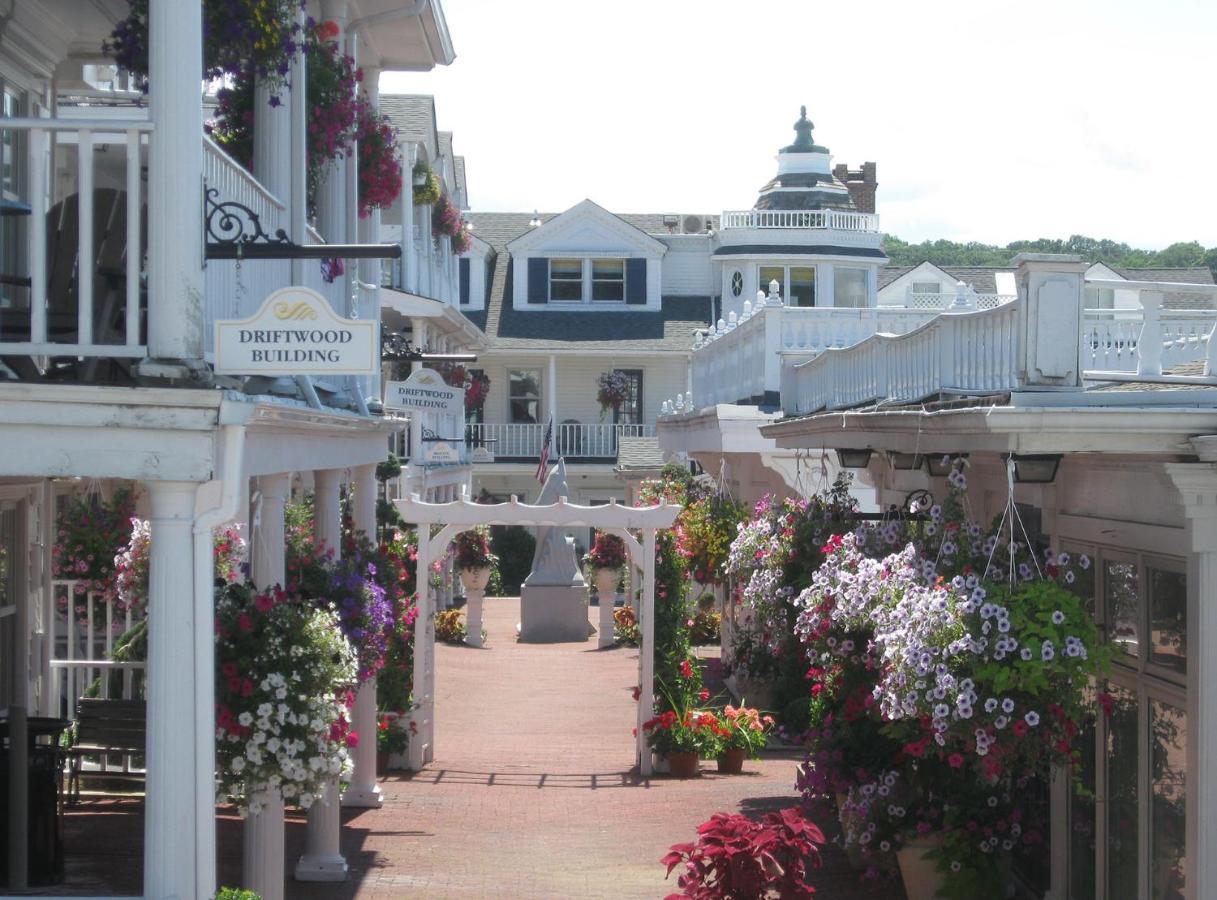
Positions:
{"x": 494, "y": 588}
{"x": 227, "y": 893}
{"x": 514, "y": 545}
{"x": 972, "y": 253}
{"x": 390, "y": 468}
{"x": 450, "y": 626}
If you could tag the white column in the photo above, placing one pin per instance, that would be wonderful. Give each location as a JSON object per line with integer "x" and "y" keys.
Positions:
{"x": 332, "y": 193}
{"x": 473, "y": 616}
{"x": 409, "y": 265}
{"x": 264, "y": 830}
{"x": 607, "y": 601}
{"x": 420, "y": 750}
{"x": 297, "y": 193}
{"x": 646, "y": 654}
{"x": 171, "y": 824}
{"x": 363, "y": 790}
{"x": 1197, "y": 486}
{"x": 175, "y": 182}
{"x": 551, "y": 391}
{"x": 322, "y": 859}
{"x": 272, "y": 142}
{"x": 369, "y": 233}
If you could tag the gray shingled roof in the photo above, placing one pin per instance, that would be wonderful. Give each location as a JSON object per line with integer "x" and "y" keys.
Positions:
{"x": 413, "y": 115}
{"x": 670, "y": 329}
{"x": 462, "y": 188}
{"x": 638, "y": 453}
{"x": 445, "y": 143}
{"x": 980, "y": 277}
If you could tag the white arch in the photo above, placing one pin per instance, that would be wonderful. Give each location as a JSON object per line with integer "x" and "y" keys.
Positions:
{"x": 461, "y": 515}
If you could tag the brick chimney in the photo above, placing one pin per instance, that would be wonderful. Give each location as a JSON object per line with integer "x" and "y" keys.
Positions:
{"x": 861, "y": 183}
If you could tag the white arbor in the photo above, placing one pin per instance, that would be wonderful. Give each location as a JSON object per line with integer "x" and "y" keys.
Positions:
{"x": 462, "y": 515}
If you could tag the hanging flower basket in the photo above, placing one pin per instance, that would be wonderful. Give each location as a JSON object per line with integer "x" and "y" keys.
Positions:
{"x": 612, "y": 390}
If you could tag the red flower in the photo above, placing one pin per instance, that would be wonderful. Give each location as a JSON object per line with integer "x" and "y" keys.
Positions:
{"x": 352, "y": 739}
{"x": 245, "y": 623}
{"x": 704, "y": 695}
{"x": 1020, "y": 728}
{"x": 327, "y": 30}
{"x": 637, "y": 692}
{"x": 685, "y": 669}
{"x": 956, "y": 760}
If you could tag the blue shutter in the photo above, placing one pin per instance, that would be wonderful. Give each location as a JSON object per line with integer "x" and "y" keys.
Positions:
{"x": 464, "y": 276}
{"x": 538, "y": 280}
{"x": 636, "y": 281}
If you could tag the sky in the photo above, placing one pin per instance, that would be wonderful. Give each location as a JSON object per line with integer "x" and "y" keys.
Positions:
{"x": 989, "y": 121}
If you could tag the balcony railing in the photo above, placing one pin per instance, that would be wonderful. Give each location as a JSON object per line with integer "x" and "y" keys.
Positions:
{"x": 801, "y": 219}
{"x": 940, "y": 301}
{"x": 75, "y": 286}
{"x": 572, "y": 440}
{"x": 1111, "y": 339}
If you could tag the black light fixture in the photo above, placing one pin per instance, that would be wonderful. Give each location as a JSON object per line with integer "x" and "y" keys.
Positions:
{"x": 941, "y": 464}
{"x": 854, "y": 459}
{"x": 1035, "y": 468}
{"x": 905, "y": 461}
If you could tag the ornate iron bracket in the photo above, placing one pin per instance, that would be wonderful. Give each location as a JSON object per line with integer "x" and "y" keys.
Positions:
{"x": 430, "y": 436}
{"x": 234, "y": 231}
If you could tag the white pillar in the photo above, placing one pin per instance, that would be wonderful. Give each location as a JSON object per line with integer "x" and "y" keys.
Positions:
{"x": 171, "y": 866}
{"x": 607, "y": 601}
{"x": 363, "y": 790}
{"x": 551, "y": 390}
{"x": 175, "y": 182}
{"x": 273, "y": 142}
{"x": 264, "y": 830}
{"x": 646, "y": 654}
{"x": 421, "y": 750}
{"x": 473, "y": 616}
{"x": 409, "y": 265}
{"x": 322, "y": 859}
{"x": 1197, "y": 486}
{"x": 369, "y": 233}
{"x": 297, "y": 193}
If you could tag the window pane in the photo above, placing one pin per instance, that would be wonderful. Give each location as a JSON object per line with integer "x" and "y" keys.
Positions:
{"x": 850, "y": 288}
{"x": 524, "y": 391}
{"x": 773, "y": 273}
{"x": 1168, "y": 759}
{"x": 1123, "y": 753}
{"x": 566, "y": 279}
{"x": 1082, "y": 819}
{"x": 925, "y": 287}
{"x": 630, "y": 412}
{"x": 608, "y": 279}
{"x": 1121, "y": 589}
{"x": 802, "y": 286}
{"x": 1167, "y": 618}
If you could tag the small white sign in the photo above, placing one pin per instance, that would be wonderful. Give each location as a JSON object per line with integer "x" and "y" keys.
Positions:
{"x": 441, "y": 452}
{"x": 426, "y": 391}
{"x": 295, "y": 333}
{"x": 481, "y": 455}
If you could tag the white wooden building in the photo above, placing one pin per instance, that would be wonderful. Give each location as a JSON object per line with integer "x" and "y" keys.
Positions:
{"x": 107, "y": 375}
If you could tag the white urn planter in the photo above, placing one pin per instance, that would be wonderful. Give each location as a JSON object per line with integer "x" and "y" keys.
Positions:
{"x": 475, "y": 579}
{"x": 606, "y": 584}
{"x": 922, "y": 879}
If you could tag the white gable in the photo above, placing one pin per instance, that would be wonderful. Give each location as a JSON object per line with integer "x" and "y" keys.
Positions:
{"x": 894, "y": 294}
{"x": 586, "y": 228}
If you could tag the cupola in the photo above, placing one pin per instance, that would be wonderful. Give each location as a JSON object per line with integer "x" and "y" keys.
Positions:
{"x": 805, "y": 177}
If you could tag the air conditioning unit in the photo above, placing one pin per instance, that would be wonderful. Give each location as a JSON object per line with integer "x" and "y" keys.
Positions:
{"x": 693, "y": 224}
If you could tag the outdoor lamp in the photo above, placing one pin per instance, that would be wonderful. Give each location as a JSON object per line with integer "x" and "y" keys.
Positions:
{"x": 854, "y": 459}
{"x": 1035, "y": 468}
{"x": 941, "y": 463}
{"x": 906, "y": 460}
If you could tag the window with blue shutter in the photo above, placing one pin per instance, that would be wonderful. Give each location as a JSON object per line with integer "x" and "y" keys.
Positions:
{"x": 636, "y": 281}
{"x": 464, "y": 278}
{"x": 538, "y": 280}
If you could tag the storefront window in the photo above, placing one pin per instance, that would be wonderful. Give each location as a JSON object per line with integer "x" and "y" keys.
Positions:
{"x": 1121, "y": 593}
{"x": 802, "y": 286}
{"x": 1123, "y": 762}
{"x": 524, "y": 396}
{"x": 1167, "y": 618}
{"x": 1167, "y": 834}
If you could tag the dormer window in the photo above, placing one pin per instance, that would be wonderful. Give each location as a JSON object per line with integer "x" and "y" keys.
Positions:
{"x": 565, "y": 280}
{"x": 608, "y": 280}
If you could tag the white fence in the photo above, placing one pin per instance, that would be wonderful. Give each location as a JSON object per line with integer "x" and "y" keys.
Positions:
{"x": 1111, "y": 339}
{"x": 801, "y": 219}
{"x": 571, "y": 440}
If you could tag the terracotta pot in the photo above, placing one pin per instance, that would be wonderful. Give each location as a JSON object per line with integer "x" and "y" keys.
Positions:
{"x": 382, "y": 762}
{"x": 731, "y": 762}
{"x": 606, "y": 581}
{"x": 683, "y": 765}
{"x": 922, "y": 880}
{"x": 475, "y": 579}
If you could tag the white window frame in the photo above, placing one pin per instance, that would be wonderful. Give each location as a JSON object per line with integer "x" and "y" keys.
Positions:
{"x": 836, "y": 294}
{"x": 785, "y": 290}
{"x": 549, "y": 280}
{"x": 587, "y": 281}
{"x": 591, "y": 268}
{"x": 536, "y": 371}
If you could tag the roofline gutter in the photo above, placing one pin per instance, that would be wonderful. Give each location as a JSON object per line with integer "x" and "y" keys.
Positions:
{"x": 414, "y": 10}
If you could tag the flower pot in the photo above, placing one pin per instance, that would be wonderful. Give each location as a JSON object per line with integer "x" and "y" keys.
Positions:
{"x": 606, "y": 584}
{"x": 731, "y": 762}
{"x": 683, "y": 765}
{"x": 382, "y": 762}
{"x": 922, "y": 879}
{"x": 475, "y": 579}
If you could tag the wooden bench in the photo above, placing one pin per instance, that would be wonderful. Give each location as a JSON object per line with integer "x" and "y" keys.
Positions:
{"x": 106, "y": 726}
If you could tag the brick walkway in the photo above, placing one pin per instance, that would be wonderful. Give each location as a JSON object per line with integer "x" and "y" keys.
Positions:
{"x": 530, "y": 794}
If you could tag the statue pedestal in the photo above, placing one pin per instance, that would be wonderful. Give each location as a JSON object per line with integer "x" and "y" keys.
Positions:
{"x": 551, "y": 614}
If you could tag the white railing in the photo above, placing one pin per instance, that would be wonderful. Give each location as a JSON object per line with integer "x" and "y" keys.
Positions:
{"x": 743, "y": 361}
{"x": 571, "y": 440}
{"x": 969, "y": 351}
{"x": 801, "y": 218}
{"x": 942, "y": 300}
{"x": 80, "y": 641}
{"x": 62, "y": 313}
{"x": 1111, "y": 338}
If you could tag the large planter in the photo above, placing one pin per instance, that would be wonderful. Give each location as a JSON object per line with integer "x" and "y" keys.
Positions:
{"x": 683, "y": 765}
{"x": 732, "y": 762}
{"x": 922, "y": 879}
{"x": 606, "y": 581}
{"x": 475, "y": 579}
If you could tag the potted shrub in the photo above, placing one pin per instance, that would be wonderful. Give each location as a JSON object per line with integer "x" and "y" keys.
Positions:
{"x": 681, "y": 737}
{"x": 743, "y": 733}
{"x": 611, "y": 391}
{"x": 606, "y": 559}
{"x": 473, "y": 557}
{"x": 390, "y": 739}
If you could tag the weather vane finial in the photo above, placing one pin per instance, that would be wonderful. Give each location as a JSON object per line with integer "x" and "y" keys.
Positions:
{"x": 802, "y": 131}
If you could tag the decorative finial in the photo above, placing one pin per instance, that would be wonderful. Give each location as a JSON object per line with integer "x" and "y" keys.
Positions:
{"x": 802, "y": 136}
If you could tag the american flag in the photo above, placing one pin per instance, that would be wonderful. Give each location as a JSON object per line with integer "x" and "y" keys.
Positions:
{"x": 546, "y": 445}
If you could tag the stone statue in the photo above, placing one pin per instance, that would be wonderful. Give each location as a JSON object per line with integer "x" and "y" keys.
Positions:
{"x": 555, "y": 561}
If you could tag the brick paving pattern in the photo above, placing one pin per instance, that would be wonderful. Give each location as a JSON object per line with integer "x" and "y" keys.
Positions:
{"x": 530, "y": 795}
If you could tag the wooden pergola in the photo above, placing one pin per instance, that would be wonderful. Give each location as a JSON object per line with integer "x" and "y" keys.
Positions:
{"x": 462, "y": 515}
